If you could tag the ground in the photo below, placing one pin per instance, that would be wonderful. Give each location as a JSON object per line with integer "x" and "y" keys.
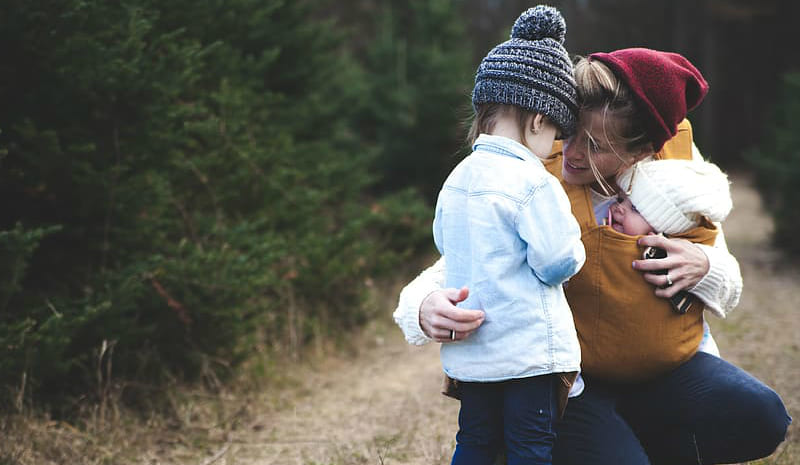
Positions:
{"x": 380, "y": 404}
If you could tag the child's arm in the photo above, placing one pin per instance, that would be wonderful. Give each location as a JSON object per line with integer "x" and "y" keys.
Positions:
{"x": 546, "y": 224}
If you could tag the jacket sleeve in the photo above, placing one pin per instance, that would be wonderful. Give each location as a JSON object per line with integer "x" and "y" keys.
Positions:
{"x": 406, "y": 315}
{"x": 721, "y": 288}
{"x": 553, "y": 236}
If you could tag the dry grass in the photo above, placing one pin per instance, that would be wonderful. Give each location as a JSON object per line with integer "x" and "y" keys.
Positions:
{"x": 192, "y": 424}
{"x": 378, "y": 403}
{"x": 761, "y": 335}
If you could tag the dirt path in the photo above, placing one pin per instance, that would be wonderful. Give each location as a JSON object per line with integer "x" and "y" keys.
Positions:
{"x": 382, "y": 405}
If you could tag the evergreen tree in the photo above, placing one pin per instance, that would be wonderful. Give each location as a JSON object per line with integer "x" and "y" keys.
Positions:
{"x": 419, "y": 64}
{"x": 777, "y": 165}
{"x": 181, "y": 180}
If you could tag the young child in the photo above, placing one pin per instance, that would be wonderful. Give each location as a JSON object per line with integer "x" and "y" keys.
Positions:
{"x": 505, "y": 227}
{"x": 670, "y": 197}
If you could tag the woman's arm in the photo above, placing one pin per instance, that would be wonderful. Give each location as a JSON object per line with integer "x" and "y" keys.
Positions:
{"x": 710, "y": 273}
{"x": 425, "y": 312}
{"x": 721, "y": 287}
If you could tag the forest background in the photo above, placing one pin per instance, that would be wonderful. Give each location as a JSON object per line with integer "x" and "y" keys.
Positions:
{"x": 190, "y": 189}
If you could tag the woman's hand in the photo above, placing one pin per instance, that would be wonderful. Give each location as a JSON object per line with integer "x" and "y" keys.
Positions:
{"x": 686, "y": 264}
{"x": 438, "y": 315}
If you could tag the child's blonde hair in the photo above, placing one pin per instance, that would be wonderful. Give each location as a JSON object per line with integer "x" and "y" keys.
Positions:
{"x": 486, "y": 116}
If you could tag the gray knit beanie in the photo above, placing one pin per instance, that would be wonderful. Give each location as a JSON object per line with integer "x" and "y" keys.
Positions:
{"x": 532, "y": 70}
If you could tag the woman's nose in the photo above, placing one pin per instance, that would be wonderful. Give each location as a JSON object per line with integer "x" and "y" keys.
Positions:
{"x": 572, "y": 148}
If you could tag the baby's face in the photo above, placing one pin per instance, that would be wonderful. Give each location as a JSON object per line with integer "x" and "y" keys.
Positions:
{"x": 627, "y": 220}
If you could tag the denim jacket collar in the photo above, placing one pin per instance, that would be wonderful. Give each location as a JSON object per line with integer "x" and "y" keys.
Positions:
{"x": 502, "y": 146}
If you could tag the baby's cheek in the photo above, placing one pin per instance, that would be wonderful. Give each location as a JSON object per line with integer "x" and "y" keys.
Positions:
{"x": 639, "y": 226}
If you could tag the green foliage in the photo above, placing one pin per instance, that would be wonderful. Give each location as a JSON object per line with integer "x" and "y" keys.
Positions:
{"x": 419, "y": 91}
{"x": 183, "y": 179}
{"x": 16, "y": 247}
{"x": 777, "y": 165}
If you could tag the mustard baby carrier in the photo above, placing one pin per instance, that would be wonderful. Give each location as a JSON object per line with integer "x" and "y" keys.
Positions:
{"x": 626, "y": 332}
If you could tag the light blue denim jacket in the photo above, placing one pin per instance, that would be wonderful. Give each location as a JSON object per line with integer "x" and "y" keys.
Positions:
{"x": 506, "y": 230}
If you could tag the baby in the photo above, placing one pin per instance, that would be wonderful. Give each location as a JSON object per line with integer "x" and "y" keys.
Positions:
{"x": 671, "y": 197}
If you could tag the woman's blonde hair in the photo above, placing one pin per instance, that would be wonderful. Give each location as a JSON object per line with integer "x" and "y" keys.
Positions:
{"x": 599, "y": 90}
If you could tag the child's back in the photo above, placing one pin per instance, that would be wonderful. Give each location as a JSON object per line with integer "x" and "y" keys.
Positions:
{"x": 504, "y": 225}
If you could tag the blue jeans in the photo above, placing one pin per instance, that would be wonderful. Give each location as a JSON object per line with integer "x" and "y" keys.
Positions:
{"x": 518, "y": 413}
{"x": 707, "y": 411}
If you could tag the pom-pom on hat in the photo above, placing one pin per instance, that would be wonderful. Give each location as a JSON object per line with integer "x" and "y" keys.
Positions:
{"x": 532, "y": 70}
{"x": 673, "y": 195}
{"x": 665, "y": 85}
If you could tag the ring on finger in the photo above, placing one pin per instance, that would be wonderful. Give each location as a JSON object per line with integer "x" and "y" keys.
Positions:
{"x": 452, "y": 335}
{"x": 669, "y": 281}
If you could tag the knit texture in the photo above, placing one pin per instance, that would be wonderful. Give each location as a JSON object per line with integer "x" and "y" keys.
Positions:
{"x": 406, "y": 315}
{"x": 721, "y": 288}
{"x": 665, "y": 85}
{"x": 532, "y": 70}
{"x": 674, "y": 195}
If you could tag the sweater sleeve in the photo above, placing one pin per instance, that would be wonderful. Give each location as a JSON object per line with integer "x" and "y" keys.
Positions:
{"x": 406, "y": 315}
{"x": 721, "y": 288}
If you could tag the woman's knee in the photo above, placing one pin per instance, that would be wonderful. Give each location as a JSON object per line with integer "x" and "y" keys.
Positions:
{"x": 765, "y": 416}
{"x": 771, "y": 418}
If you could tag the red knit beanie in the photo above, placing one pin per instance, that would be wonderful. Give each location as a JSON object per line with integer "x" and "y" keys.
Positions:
{"x": 666, "y": 86}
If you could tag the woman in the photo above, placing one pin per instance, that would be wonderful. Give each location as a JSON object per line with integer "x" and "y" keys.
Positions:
{"x": 633, "y": 105}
